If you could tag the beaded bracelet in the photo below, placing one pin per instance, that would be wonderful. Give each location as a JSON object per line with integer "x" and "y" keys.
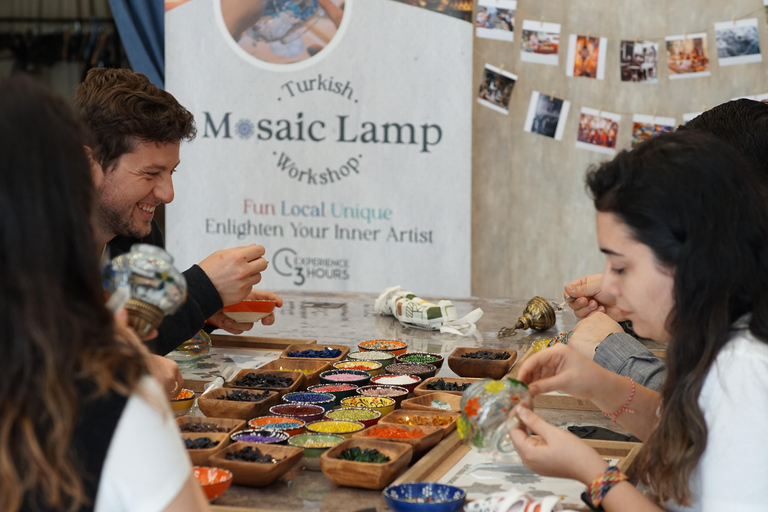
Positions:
{"x": 601, "y": 485}
{"x": 624, "y": 408}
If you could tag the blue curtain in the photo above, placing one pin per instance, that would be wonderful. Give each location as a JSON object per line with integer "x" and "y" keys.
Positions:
{"x": 141, "y": 25}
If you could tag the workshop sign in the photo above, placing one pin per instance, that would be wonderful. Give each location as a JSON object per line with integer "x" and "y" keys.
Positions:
{"x": 336, "y": 133}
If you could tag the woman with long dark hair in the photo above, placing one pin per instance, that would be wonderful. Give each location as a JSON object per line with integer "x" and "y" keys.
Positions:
{"x": 82, "y": 425}
{"x": 683, "y": 224}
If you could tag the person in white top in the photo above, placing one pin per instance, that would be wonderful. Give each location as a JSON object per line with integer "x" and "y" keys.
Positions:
{"x": 683, "y": 226}
{"x": 82, "y": 424}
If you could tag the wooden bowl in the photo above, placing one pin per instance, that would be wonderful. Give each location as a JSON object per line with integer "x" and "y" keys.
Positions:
{"x": 278, "y": 423}
{"x": 368, "y": 417}
{"x": 311, "y": 368}
{"x": 481, "y": 368}
{"x": 294, "y": 348}
{"x": 427, "y": 418}
{"x": 423, "y": 388}
{"x": 258, "y": 474}
{"x": 200, "y": 457}
{"x": 432, "y": 436}
{"x": 211, "y": 406}
{"x": 421, "y": 370}
{"x": 230, "y": 424}
{"x": 389, "y": 380}
{"x": 362, "y": 378}
{"x": 365, "y": 474}
{"x": 298, "y": 380}
{"x": 214, "y": 481}
{"x": 394, "y": 346}
{"x": 341, "y": 428}
{"x": 422, "y": 403}
{"x": 373, "y": 368}
{"x": 398, "y": 393}
{"x": 377, "y": 403}
{"x": 437, "y": 359}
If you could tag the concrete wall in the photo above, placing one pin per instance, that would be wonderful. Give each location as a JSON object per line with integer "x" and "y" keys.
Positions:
{"x": 533, "y": 224}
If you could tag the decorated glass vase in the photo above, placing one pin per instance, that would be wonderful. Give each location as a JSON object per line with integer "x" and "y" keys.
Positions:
{"x": 487, "y": 413}
{"x": 153, "y": 285}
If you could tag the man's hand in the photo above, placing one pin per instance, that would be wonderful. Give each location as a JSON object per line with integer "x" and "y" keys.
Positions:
{"x": 590, "y": 332}
{"x": 235, "y": 271}
{"x": 590, "y": 298}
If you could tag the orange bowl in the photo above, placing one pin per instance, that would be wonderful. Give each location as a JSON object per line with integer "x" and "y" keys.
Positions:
{"x": 214, "y": 481}
{"x": 249, "y": 310}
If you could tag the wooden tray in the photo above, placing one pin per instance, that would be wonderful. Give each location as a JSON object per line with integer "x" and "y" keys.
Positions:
{"x": 394, "y": 416}
{"x": 232, "y": 424}
{"x": 298, "y": 380}
{"x": 231, "y": 409}
{"x": 300, "y": 346}
{"x": 254, "y": 473}
{"x": 422, "y": 402}
{"x": 364, "y": 474}
{"x": 256, "y": 342}
{"x": 422, "y": 390}
{"x": 200, "y": 457}
{"x": 432, "y": 466}
{"x": 481, "y": 368}
{"x": 554, "y": 401}
{"x": 432, "y": 436}
{"x": 317, "y": 366}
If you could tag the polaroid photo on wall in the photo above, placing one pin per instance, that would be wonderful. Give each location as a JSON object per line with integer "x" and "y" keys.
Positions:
{"x": 639, "y": 61}
{"x": 647, "y": 127}
{"x": 737, "y": 42}
{"x": 586, "y": 56}
{"x": 496, "y": 19}
{"x": 540, "y": 42}
{"x": 598, "y": 130}
{"x": 687, "y": 56}
{"x": 690, "y": 115}
{"x": 547, "y": 115}
{"x": 496, "y": 88}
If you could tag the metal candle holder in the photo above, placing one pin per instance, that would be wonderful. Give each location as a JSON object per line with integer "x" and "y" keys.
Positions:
{"x": 538, "y": 314}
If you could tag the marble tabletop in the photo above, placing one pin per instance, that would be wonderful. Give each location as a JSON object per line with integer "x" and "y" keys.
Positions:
{"x": 348, "y": 319}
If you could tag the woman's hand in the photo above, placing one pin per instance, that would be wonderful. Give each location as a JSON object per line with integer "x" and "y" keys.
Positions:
{"x": 560, "y": 368}
{"x": 555, "y": 452}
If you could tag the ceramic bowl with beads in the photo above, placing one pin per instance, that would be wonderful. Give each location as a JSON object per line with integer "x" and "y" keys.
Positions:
{"x": 336, "y": 427}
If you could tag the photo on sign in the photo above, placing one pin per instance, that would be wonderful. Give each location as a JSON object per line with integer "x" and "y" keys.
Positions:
{"x": 598, "y": 131}
{"x": 647, "y": 127}
{"x": 496, "y": 19}
{"x": 496, "y": 88}
{"x": 737, "y": 42}
{"x": 461, "y": 9}
{"x": 687, "y": 56}
{"x": 540, "y": 42}
{"x": 639, "y": 61}
{"x": 547, "y": 115}
{"x": 282, "y": 31}
{"x": 586, "y": 57}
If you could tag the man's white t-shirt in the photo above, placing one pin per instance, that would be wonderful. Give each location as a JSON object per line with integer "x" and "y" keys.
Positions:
{"x": 147, "y": 464}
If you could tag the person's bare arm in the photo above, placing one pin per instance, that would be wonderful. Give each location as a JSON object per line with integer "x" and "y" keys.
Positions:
{"x": 240, "y": 14}
{"x": 189, "y": 499}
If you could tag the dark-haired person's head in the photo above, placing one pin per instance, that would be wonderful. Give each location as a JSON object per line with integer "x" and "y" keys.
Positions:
{"x": 56, "y": 329}
{"x": 743, "y": 124}
{"x": 684, "y": 227}
{"x": 138, "y": 129}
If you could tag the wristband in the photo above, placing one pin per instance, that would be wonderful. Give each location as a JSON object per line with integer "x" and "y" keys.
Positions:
{"x": 601, "y": 485}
